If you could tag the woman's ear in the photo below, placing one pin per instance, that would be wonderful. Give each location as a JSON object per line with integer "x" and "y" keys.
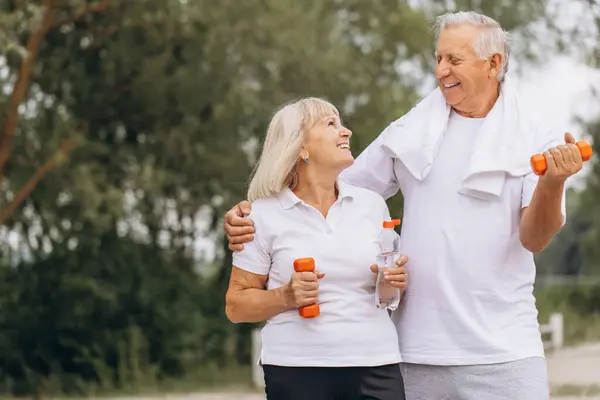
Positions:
{"x": 303, "y": 154}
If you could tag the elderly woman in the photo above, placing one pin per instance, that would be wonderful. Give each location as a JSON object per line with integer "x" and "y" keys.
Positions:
{"x": 300, "y": 210}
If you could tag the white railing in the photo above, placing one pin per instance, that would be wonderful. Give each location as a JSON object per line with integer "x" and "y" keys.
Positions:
{"x": 554, "y": 328}
{"x": 257, "y": 371}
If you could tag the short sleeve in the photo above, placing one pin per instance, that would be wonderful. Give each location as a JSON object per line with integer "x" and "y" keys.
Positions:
{"x": 385, "y": 211}
{"x": 255, "y": 257}
{"x": 373, "y": 169}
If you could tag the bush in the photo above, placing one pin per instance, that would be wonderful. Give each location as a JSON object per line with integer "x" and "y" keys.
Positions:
{"x": 580, "y": 306}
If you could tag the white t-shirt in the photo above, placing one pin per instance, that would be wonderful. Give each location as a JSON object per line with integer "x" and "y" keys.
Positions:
{"x": 351, "y": 330}
{"x": 469, "y": 298}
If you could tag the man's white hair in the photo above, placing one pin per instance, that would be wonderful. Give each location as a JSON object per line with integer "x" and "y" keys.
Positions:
{"x": 491, "y": 38}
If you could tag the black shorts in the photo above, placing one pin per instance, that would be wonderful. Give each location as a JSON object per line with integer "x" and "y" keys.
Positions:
{"x": 334, "y": 383}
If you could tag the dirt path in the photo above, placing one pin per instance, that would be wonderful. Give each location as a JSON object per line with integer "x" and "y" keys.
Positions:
{"x": 568, "y": 367}
{"x": 575, "y": 366}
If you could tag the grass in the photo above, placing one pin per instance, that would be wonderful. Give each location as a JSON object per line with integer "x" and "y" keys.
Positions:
{"x": 576, "y": 390}
{"x": 208, "y": 379}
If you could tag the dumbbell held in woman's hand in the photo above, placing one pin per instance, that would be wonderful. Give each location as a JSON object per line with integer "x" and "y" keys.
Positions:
{"x": 306, "y": 285}
{"x": 540, "y": 166}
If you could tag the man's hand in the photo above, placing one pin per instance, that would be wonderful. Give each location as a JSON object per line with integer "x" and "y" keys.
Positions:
{"x": 563, "y": 161}
{"x": 238, "y": 229}
{"x": 396, "y": 276}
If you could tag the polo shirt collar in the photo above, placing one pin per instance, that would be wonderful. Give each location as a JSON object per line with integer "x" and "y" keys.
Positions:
{"x": 288, "y": 199}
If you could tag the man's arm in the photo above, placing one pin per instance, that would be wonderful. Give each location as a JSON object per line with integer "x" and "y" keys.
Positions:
{"x": 373, "y": 169}
{"x": 544, "y": 216}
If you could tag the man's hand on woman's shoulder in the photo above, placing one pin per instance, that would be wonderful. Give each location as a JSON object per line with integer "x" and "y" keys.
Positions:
{"x": 238, "y": 228}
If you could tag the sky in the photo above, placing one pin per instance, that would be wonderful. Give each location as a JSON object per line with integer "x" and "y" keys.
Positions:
{"x": 561, "y": 90}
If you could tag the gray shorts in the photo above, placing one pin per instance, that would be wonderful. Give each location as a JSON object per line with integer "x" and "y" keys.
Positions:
{"x": 525, "y": 379}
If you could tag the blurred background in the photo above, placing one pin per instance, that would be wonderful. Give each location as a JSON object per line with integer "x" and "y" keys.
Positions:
{"x": 129, "y": 127}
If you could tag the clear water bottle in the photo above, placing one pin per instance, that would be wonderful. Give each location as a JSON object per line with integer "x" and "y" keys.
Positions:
{"x": 386, "y": 295}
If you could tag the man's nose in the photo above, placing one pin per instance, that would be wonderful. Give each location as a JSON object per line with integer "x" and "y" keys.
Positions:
{"x": 442, "y": 70}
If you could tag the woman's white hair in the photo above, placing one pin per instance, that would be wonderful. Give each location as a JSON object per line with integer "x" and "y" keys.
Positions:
{"x": 277, "y": 166}
{"x": 491, "y": 38}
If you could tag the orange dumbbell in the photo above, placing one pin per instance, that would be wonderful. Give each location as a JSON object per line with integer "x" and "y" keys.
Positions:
{"x": 307, "y": 265}
{"x": 538, "y": 161}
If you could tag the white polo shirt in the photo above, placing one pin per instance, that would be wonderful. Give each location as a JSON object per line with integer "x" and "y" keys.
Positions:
{"x": 351, "y": 330}
{"x": 469, "y": 298}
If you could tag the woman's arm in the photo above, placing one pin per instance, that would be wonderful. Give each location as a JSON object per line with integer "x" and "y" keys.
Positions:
{"x": 247, "y": 300}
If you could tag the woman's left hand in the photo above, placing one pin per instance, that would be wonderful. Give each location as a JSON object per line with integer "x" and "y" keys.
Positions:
{"x": 397, "y": 275}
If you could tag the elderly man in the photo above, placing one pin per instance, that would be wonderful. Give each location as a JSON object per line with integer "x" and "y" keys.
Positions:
{"x": 474, "y": 214}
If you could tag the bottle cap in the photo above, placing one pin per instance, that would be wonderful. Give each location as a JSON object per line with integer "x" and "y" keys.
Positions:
{"x": 391, "y": 223}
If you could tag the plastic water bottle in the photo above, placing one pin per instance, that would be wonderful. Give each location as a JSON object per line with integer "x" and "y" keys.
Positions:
{"x": 386, "y": 295}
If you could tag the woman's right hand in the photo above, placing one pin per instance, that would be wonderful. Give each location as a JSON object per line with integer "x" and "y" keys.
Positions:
{"x": 303, "y": 288}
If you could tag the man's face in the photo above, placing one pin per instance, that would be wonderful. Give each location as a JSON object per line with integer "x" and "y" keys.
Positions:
{"x": 465, "y": 80}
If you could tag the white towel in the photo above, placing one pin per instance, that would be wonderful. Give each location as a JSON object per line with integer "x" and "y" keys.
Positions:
{"x": 501, "y": 147}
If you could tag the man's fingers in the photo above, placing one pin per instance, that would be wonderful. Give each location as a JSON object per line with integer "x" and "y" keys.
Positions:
{"x": 240, "y": 230}
{"x": 240, "y": 239}
{"x": 237, "y": 221}
{"x": 320, "y": 275}
{"x": 550, "y": 162}
{"x": 569, "y": 138}
{"x": 236, "y": 247}
{"x": 565, "y": 152}
{"x": 557, "y": 156}
{"x": 233, "y": 216}
{"x": 575, "y": 154}
{"x": 243, "y": 208}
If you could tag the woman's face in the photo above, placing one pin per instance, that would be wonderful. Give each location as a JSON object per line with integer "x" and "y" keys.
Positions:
{"x": 328, "y": 145}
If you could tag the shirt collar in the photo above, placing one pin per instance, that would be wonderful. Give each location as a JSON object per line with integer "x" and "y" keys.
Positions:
{"x": 288, "y": 199}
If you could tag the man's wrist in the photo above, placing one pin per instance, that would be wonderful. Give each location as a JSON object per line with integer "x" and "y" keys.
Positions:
{"x": 552, "y": 185}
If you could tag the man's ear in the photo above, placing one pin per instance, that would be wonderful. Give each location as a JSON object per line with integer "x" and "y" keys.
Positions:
{"x": 495, "y": 64}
